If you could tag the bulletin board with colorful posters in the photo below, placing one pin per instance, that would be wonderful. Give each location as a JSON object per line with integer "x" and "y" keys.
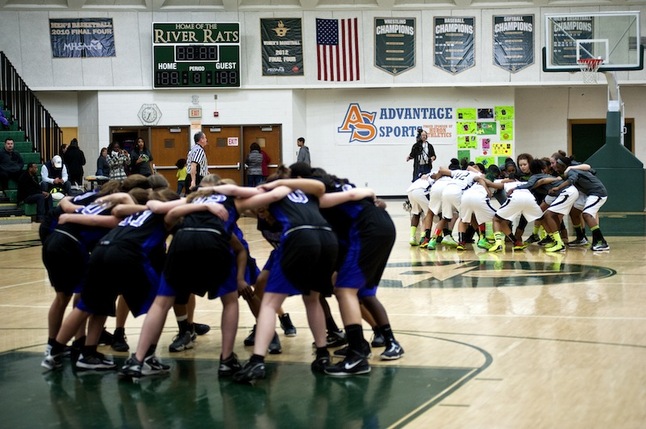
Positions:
{"x": 485, "y": 134}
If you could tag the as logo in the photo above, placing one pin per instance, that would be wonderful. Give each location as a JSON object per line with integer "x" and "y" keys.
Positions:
{"x": 360, "y": 125}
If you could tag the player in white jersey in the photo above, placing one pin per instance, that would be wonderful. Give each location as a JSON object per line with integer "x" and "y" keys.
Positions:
{"x": 417, "y": 194}
{"x": 594, "y": 195}
{"x": 461, "y": 180}
{"x": 442, "y": 229}
{"x": 522, "y": 202}
{"x": 476, "y": 208}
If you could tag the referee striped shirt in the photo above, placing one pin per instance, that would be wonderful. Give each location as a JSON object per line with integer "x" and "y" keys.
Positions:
{"x": 198, "y": 156}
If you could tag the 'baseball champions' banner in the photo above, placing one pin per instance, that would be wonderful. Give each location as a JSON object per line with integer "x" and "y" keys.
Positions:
{"x": 394, "y": 44}
{"x": 513, "y": 42}
{"x": 455, "y": 45}
{"x": 82, "y": 37}
{"x": 282, "y": 47}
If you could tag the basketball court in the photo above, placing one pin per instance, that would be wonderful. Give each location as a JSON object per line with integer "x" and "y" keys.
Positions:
{"x": 517, "y": 339}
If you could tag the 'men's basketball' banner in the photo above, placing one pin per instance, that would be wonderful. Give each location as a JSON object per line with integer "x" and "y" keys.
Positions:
{"x": 82, "y": 37}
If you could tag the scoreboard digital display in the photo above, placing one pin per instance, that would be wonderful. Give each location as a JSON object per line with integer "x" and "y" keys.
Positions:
{"x": 196, "y": 55}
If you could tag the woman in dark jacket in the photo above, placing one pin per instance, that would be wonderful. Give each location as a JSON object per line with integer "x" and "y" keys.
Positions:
{"x": 74, "y": 160}
{"x": 140, "y": 159}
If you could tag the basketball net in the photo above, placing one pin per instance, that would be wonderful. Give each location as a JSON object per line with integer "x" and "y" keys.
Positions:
{"x": 589, "y": 68}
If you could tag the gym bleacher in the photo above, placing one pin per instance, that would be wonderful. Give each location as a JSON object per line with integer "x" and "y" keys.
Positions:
{"x": 10, "y": 210}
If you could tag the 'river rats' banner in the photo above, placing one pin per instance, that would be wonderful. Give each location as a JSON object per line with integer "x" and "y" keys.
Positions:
{"x": 455, "y": 45}
{"x": 82, "y": 37}
{"x": 513, "y": 42}
{"x": 282, "y": 47}
{"x": 395, "y": 44}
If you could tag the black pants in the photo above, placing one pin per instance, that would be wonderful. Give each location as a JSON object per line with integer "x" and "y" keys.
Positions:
{"x": 187, "y": 183}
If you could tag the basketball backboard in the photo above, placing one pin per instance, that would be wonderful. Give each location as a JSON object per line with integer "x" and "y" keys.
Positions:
{"x": 613, "y": 37}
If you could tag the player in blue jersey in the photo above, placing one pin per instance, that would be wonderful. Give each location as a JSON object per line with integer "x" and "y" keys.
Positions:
{"x": 302, "y": 265}
{"x": 137, "y": 247}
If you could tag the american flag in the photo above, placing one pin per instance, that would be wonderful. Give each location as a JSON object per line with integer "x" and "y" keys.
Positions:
{"x": 337, "y": 49}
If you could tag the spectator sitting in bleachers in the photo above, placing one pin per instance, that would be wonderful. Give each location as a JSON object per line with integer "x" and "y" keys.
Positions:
{"x": 4, "y": 122}
{"x": 11, "y": 164}
{"x": 29, "y": 191}
{"x": 54, "y": 175}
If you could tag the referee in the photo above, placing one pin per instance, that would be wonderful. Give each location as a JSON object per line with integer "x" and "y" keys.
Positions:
{"x": 197, "y": 165}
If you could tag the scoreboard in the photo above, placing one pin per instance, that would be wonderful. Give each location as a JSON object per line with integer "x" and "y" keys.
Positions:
{"x": 196, "y": 55}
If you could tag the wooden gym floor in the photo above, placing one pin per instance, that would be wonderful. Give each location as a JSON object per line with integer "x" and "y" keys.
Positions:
{"x": 510, "y": 340}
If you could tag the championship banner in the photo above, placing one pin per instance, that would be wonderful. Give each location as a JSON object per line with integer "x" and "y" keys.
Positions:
{"x": 82, "y": 37}
{"x": 513, "y": 42}
{"x": 454, "y": 43}
{"x": 566, "y": 31}
{"x": 282, "y": 46}
{"x": 395, "y": 44}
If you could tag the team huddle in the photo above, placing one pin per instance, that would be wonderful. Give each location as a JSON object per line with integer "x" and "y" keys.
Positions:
{"x": 542, "y": 191}
{"x": 328, "y": 237}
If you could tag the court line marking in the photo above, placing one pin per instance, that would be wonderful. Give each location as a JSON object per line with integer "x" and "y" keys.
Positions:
{"x": 23, "y": 284}
{"x": 416, "y": 413}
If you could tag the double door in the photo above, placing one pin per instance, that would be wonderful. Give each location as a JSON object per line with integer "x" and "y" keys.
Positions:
{"x": 227, "y": 149}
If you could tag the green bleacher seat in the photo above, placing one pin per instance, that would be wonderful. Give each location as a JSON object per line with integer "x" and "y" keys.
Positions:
{"x": 23, "y": 147}
{"x": 29, "y": 209}
{"x": 18, "y": 136}
{"x": 12, "y": 194}
{"x": 31, "y": 157}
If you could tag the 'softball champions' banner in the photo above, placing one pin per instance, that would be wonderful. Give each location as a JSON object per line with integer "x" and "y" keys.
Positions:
{"x": 513, "y": 42}
{"x": 455, "y": 45}
{"x": 395, "y": 44}
{"x": 82, "y": 37}
{"x": 282, "y": 47}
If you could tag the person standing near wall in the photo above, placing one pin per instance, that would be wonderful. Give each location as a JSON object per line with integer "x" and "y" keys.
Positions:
{"x": 102, "y": 166}
{"x": 181, "y": 176}
{"x": 197, "y": 165}
{"x": 118, "y": 159}
{"x": 303, "y": 151}
{"x": 423, "y": 154}
{"x": 74, "y": 160}
{"x": 140, "y": 159}
{"x": 254, "y": 165}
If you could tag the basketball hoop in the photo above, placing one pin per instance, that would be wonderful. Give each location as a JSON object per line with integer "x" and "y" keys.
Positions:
{"x": 589, "y": 67}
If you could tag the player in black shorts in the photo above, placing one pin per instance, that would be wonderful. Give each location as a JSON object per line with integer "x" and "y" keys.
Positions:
{"x": 302, "y": 265}
{"x": 69, "y": 245}
{"x": 137, "y": 247}
{"x": 201, "y": 238}
{"x": 366, "y": 236}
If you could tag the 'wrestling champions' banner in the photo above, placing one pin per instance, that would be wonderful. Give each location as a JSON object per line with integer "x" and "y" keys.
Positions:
{"x": 82, "y": 37}
{"x": 282, "y": 47}
{"x": 395, "y": 44}
{"x": 455, "y": 45}
{"x": 513, "y": 42}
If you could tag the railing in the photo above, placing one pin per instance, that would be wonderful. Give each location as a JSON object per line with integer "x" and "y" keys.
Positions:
{"x": 40, "y": 128}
